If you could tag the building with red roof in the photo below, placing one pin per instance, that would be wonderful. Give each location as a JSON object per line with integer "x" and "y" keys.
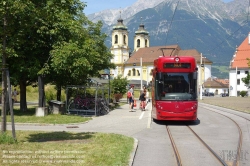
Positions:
{"x": 239, "y": 68}
{"x": 138, "y": 65}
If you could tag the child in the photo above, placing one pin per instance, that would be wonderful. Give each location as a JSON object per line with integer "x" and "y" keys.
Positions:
{"x": 143, "y": 99}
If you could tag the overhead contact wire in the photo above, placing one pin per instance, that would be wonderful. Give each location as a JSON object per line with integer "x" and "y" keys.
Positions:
{"x": 172, "y": 20}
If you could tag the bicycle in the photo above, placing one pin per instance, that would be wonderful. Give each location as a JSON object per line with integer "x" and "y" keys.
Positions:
{"x": 80, "y": 102}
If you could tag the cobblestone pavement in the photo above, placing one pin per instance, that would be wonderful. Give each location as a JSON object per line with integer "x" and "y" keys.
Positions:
{"x": 235, "y": 103}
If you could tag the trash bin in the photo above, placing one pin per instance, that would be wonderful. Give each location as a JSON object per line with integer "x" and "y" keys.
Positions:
{"x": 56, "y": 107}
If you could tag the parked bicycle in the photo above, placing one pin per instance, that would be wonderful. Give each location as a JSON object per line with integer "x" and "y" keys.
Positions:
{"x": 80, "y": 102}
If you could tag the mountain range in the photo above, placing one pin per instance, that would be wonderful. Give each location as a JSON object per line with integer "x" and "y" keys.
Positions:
{"x": 212, "y": 27}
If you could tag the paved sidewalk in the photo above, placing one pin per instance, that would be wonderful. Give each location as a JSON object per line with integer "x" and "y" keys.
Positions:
{"x": 119, "y": 121}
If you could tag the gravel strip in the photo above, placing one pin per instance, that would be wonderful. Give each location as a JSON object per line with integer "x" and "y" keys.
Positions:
{"x": 236, "y": 103}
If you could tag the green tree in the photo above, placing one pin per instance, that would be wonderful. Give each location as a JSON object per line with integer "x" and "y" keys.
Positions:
{"x": 81, "y": 58}
{"x": 246, "y": 80}
{"x": 10, "y": 11}
{"x": 119, "y": 86}
{"x": 53, "y": 38}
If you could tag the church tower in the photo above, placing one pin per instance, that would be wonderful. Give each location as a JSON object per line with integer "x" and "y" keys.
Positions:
{"x": 119, "y": 48}
{"x": 141, "y": 38}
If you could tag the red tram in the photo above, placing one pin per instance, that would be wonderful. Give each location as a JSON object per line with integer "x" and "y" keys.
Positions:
{"x": 174, "y": 89}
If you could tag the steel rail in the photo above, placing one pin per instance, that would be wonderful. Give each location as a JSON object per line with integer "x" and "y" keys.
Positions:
{"x": 230, "y": 112}
{"x": 177, "y": 156}
{"x": 208, "y": 147}
{"x": 236, "y": 162}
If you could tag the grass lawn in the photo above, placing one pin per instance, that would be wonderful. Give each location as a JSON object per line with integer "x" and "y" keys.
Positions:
{"x": 29, "y": 117}
{"x": 61, "y": 148}
{"x": 65, "y": 148}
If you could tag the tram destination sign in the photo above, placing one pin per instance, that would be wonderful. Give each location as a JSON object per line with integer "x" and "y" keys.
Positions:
{"x": 177, "y": 65}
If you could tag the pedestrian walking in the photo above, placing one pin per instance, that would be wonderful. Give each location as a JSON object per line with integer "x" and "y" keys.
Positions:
{"x": 130, "y": 95}
{"x": 143, "y": 100}
{"x": 15, "y": 93}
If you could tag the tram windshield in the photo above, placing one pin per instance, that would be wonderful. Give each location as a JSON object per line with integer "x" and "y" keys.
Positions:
{"x": 175, "y": 86}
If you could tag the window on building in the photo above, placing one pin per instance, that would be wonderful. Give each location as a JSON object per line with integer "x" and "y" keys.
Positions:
{"x": 238, "y": 81}
{"x": 146, "y": 43}
{"x": 116, "y": 39}
{"x": 138, "y": 73}
{"x": 138, "y": 42}
{"x": 238, "y": 72}
{"x": 246, "y": 72}
{"x": 124, "y": 39}
{"x": 133, "y": 72}
{"x": 129, "y": 73}
{"x": 151, "y": 72}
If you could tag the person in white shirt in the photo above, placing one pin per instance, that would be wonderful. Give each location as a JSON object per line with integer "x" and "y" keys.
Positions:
{"x": 131, "y": 98}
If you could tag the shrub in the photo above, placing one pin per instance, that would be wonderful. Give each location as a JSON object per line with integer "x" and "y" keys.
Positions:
{"x": 50, "y": 95}
{"x": 31, "y": 89}
{"x": 243, "y": 93}
{"x": 117, "y": 96}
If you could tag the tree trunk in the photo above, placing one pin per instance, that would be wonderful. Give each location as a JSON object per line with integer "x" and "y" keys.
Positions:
{"x": 41, "y": 102}
{"x": 4, "y": 104}
{"x": 58, "y": 92}
{"x": 23, "y": 101}
{"x": 4, "y": 78}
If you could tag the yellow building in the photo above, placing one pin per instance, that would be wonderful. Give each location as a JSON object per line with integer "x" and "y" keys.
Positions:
{"x": 119, "y": 47}
{"x": 138, "y": 66}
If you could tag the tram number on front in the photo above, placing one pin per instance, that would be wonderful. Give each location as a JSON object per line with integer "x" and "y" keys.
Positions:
{"x": 177, "y": 65}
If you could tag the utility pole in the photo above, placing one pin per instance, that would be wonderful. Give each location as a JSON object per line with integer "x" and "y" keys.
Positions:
{"x": 141, "y": 72}
{"x": 200, "y": 78}
{"x": 11, "y": 105}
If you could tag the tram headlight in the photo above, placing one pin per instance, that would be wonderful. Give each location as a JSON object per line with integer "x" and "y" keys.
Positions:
{"x": 194, "y": 107}
{"x": 159, "y": 106}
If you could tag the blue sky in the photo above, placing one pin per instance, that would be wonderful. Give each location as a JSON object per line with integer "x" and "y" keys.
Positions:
{"x": 99, "y": 5}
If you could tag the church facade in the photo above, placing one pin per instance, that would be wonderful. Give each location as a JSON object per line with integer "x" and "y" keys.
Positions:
{"x": 138, "y": 65}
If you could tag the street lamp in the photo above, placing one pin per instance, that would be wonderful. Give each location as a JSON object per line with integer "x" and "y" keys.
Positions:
{"x": 141, "y": 71}
{"x": 201, "y": 65}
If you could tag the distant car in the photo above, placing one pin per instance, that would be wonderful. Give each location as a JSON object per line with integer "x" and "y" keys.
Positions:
{"x": 209, "y": 94}
{"x": 224, "y": 95}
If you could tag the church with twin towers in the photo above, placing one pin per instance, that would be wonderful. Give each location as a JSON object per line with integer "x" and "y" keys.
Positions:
{"x": 138, "y": 64}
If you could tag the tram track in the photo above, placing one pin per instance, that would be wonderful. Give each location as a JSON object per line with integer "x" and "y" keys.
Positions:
{"x": 175, "y": 149}
{"x": 240, "y": 138}
{"x": 177, "y": 155}
{"x": 206, "y": 107}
